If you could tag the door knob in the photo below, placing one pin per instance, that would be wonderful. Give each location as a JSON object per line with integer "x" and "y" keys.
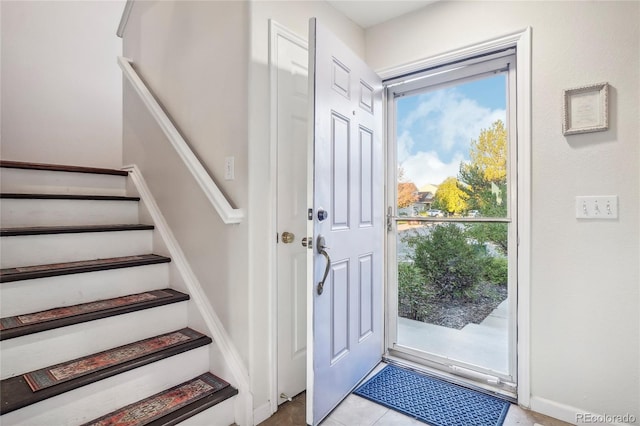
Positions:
{"x": 287, "y": 237}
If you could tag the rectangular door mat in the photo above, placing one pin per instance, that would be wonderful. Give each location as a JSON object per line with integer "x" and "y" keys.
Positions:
{"x": 432, "y": 401}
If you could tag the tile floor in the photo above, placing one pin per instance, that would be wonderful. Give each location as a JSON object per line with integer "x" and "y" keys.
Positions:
{"x": 357, "y": 411}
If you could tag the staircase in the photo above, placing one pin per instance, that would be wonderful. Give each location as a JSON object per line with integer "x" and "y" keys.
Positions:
{"x": 92, "y": 330}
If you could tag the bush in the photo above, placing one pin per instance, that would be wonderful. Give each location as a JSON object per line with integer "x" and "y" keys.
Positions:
{"x": 496, "y": 270}
{"x": 451, "y": 264}
{"x": 412, "y": 292}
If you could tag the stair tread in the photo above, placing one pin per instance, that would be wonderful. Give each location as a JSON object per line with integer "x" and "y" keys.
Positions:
{"x": 61, "y": 168}
{"x": 34, "y": 196}
{"x": 21, "y": 325}
{"x": 66, "y": 268}
{"x": 18, "y": 391}
{"x": 43, "y": 230}
{"x": 173, "y": 405}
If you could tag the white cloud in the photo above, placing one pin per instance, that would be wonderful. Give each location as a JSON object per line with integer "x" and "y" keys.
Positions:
{"x": 446, "y": 121}
{"x": 435, "y": 136}
{"x": 405, "y": 145}
{"x": 426, "y": 167}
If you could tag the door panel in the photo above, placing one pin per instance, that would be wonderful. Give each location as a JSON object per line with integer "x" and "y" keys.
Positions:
{"x": 289, "y": 63}
{"x": 345, "y": 330}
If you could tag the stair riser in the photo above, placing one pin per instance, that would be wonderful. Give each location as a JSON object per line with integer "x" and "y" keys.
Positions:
{"x": 39, "y": 350}
{"x": 28, "y": 212}
{"x": 52, "y": 182}
{"x": 20, "y": 297}
{"x": 99, "y": 398}
{"x": 218, "y": 415}
{"x": 28, "y": 250}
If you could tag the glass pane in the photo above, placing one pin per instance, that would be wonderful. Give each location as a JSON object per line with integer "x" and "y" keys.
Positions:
{"x": 452, "y": 151}
{"x": 453, "y": 299}
{"x": 452, "y": 293}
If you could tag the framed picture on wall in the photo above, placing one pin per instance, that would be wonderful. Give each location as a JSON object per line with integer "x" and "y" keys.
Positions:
{"x": 586, "y": 109}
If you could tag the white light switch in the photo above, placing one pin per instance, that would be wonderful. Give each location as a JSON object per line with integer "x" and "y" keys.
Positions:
{"x": 229, "y": 172}
{"x": 597, "y": 207}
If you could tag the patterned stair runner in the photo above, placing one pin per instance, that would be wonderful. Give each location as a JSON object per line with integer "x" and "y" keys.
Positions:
{"x": 164, "y": 403}
{"x": 54, "y": 269}
{"x": 21, "y": 391}
{"x": 51, "y": 376}
{"x": 20, "y": 325}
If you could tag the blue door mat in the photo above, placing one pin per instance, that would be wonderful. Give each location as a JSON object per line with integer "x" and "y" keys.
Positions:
{"x": 432, "y": 401}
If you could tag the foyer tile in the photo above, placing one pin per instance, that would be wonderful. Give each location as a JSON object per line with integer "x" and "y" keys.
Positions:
{"x": 359, "y": 411}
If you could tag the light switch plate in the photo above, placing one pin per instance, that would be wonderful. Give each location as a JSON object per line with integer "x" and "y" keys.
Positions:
{"x": 229, "y": 168}
{"x": 597, "y": 207}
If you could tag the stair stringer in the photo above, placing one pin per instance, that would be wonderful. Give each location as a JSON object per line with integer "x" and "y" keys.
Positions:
{"x": 231, "y": 368}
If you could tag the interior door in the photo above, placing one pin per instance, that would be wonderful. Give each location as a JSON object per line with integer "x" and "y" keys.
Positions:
{"x": 345, "y": 326}
{"x": 289, "y": 63}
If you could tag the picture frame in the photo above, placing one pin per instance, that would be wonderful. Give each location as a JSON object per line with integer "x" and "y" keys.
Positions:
{"x": 586, "y": 109}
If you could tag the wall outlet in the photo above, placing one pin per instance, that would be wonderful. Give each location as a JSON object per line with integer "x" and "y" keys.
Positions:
{"x": 597, "y": 207}
{"x": 229, "y": 172}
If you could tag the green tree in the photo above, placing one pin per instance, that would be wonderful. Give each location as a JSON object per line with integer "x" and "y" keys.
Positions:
{"x": 484, "y": 181}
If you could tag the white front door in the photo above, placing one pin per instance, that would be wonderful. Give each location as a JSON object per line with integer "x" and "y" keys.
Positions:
{"x": 345, "y": 326}
{"x": 289, "y": 72}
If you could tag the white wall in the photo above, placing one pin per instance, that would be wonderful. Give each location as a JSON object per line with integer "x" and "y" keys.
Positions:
{"x": 61, "y": 86}
{"x": 193, "y": 56}
{"x": 294, "y": 15}
{"x": 585, "y": 326}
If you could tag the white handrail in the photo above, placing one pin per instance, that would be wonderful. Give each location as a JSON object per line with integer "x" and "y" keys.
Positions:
{"x": 125, "y": 18}
{"x": 228, "y": 214}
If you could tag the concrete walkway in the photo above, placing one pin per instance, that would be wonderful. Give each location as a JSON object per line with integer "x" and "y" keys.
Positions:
{"x": 484, "y": 344}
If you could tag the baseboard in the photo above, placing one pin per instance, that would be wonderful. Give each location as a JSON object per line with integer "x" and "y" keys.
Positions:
{"x": 262, "y": 413}
{"x": 575, "y": 415}
{"x": 213, "y": 323}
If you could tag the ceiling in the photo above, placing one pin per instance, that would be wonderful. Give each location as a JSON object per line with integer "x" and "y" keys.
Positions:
{"x": 373, "y": 12}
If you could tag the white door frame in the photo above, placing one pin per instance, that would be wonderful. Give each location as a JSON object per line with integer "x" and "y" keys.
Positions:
{"x": 521, "y": 40}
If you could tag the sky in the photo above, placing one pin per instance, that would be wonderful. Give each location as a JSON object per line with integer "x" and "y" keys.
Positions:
{"x": 435, "y": 128}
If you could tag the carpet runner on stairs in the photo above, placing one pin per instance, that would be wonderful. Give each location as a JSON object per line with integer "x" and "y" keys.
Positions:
{"x": 35, "y": 386}
{"x": 51, "y": 201}
{"x": 42, "y": 271}
{"x": 63, "y": 372}
{"x": 171, "y": 406}
{"x": 20, "y": 325}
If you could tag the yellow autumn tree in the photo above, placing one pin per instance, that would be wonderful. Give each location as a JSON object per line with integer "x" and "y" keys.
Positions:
{"x": 489, "y": 152}
{"x": 450, "y": 197}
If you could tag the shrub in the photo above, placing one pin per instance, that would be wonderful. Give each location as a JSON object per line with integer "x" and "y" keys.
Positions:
{"x": 496, "y": 270}
{"x": 450, "y": 263}
{"x": 412, "y": 292}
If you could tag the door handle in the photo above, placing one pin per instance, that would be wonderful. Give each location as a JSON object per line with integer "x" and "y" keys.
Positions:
{"x": 321, "y": 249}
